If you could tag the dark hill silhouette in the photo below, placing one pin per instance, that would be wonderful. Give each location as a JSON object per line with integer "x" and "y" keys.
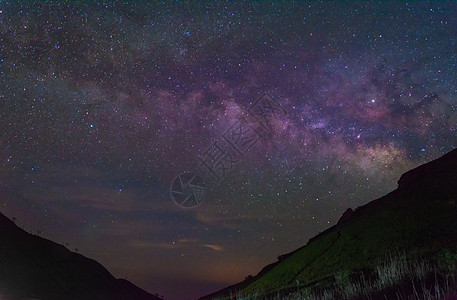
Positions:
{"x": 418, "y": 218}
{"x": 32, "y": 267}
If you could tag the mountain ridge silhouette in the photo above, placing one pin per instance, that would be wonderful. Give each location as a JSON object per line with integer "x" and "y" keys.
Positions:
{"x": 32, "y": 267}
{"x": 419, "y": 217}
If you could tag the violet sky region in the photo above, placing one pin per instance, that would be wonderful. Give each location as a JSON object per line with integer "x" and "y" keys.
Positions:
{"x": 103, "y": 104}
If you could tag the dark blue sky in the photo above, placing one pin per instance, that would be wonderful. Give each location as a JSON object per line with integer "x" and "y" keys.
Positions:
{"x": 103, "y": 105}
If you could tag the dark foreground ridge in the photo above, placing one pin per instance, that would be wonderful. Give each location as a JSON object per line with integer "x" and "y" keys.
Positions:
{"x": 32, "y": 267}
{"x": 416, "y": 221}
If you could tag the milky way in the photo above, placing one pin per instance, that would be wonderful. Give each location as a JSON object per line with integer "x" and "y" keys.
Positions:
{"x": 102, "y": 105}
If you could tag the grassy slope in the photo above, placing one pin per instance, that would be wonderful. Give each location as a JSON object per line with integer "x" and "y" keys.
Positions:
{"x": 416, "y": 220}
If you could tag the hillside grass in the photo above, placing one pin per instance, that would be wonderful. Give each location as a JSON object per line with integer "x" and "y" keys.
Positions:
{"x": 358, "y": 245}
{"x": 396, "y": 277}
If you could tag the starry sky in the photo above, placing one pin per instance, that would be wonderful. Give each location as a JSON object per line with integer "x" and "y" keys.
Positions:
{"x": 103, "y": 105}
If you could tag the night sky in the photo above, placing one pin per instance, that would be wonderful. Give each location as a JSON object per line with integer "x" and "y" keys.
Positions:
{"x": 103, "y": 105}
